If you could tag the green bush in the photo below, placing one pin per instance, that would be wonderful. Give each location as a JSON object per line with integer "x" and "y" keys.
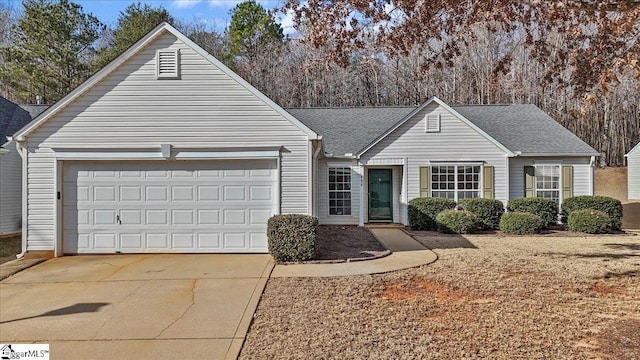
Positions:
{"x": 457, "y": 221}
{"x": 589, "y": 221}
{"x": 520, "y": 223}
{"x": 488, "y": 211}
{"x": 546, "y": 209}
{"x": 610, "y": 206}
{"x": 292, "y": 237}
{"x": 423, "y": 212}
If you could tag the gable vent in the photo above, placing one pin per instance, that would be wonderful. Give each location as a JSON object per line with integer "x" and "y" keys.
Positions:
{"x": 168, "y": 62}
{"x": 432, "y": 123}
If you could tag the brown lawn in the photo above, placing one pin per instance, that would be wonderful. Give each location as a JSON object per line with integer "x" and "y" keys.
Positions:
{"x": 486, "y": 297}
{"x": 10, "y": 246}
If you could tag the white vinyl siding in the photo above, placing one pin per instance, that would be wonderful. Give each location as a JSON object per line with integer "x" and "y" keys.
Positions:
{"x": 323, "y": 195}
{"x": 10, "y": 190}
{"x": 130, "y": 109}
{"x": 633, "y": 173}
{"x": 456, "y": 142}
{"x": 582, "y": 173}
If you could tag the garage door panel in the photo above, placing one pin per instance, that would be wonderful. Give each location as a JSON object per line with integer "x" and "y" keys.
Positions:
{"x": 204, "y": 206}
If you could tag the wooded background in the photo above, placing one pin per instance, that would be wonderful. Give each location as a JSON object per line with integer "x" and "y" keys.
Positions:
{"x": 578, "y": 63}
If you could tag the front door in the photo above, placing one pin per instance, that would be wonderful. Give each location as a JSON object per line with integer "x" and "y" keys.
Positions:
{"x": 380, "y": 195}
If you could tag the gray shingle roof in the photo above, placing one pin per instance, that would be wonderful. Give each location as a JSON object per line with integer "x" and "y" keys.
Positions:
{"x": 520, "y": 128}
{"x": 349, "y": 130}
{"x": 12, "y": 119}
{"x": 526, "y": 129}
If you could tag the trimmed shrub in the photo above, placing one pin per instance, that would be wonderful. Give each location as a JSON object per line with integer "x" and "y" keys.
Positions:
{"x": 457, "y": 221}
{"x": 589, "y": 221}
{"x": 520, "y": 223}
{"x": 292, "y": 237}
{"x": 546, "y": 209}
{"x": 488, "y": 211}
{"x": 610, "y": 206}
{"x": 423, "y": 212}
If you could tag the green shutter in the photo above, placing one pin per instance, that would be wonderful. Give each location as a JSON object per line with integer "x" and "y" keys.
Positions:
{"x": 425, "y": 181}
{"x": 488, "y": 191}
{"x": 567, "y": 182}
{"x": 529, "y": 181}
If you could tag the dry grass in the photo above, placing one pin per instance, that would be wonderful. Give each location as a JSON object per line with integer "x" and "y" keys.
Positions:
{"x": 486, "y": 297}
{"x": 10, "y": 246}
{"x": 612, "y": 182}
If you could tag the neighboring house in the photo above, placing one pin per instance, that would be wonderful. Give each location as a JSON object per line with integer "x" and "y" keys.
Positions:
{"x": 167, "y": 150}
{"x": 12, "y": 118}
{"x": 633, "y": 173}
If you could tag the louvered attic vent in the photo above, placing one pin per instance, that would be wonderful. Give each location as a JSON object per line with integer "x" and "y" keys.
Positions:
{"x": 168, "y": 62}
{"x": 432, "y": 123}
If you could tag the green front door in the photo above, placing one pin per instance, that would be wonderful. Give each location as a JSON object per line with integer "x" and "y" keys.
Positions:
{"x": 380, "y": 195}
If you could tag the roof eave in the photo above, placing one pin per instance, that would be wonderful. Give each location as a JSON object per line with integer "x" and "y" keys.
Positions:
{"x": 518, "y": 154}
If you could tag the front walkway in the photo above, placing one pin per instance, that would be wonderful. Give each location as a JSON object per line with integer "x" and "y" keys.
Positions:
{"x": 406, "y": 253}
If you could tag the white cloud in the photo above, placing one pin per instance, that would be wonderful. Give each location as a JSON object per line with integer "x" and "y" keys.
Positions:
{"x": 185, "y": 3}
{"x": 286, "y": 22}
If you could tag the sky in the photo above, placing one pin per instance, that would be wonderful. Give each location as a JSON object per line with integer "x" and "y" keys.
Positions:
{"x": 214, "y": 13}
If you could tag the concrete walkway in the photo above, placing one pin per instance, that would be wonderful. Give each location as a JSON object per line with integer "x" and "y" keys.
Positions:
{"x": 406, "y": 253}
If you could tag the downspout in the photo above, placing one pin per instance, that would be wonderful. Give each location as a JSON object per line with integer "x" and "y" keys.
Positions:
{"x": 314, "y": 179}
{"x": 592, "y": 165}
{"x": 22, "y": 151}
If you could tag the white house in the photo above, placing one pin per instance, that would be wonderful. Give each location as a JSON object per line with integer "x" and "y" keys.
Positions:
{"x": 167, "y": 150}
{"x": 633, "y": 173}
{"x": 12, "y": 118}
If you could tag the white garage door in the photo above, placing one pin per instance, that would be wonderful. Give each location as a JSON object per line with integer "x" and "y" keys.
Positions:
{"x": 168, "y": 206}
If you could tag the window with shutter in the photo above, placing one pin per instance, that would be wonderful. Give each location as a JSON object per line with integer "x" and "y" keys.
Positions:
{"x": 168, "y": 62}
{"x": 432, "y": 123}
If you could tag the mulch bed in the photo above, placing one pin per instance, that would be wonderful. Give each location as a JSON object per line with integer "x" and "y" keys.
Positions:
{"x": 342, "y": 242}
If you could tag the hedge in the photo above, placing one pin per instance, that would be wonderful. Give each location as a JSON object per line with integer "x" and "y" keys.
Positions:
{"x": 546, "y": 209}
{"x": 611, "y": 206}
{"x": 423, "y": 212}
{"x": 488, "y": 211}
{"x": 520, "y": 223}
{"x": 457, "y": 221}
{"x": 292, "y": 237}
{"x": 589, "y": 221}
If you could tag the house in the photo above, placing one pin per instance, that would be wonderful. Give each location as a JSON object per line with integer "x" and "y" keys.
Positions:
{"x": 167, "y": 150}
{"x": 12, "y": 118}
{"x": 633, "y": 173}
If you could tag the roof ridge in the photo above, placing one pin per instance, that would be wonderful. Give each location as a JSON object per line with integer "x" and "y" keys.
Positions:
{"x": 351, "y": 107}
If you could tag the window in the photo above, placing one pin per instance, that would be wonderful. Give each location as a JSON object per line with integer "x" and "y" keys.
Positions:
{"x": 548, "y": 182}
{"x": 339, "y": 191}
{"x": 168, "y": 64}
{"x": 432, "y": 123}
{"x": 455, "y": 181}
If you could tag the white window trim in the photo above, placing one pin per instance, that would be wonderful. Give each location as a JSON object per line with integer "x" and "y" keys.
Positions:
{"x": 432, "y": 117}
{"x": 351, "y": 171}
{"x": 456, "y": 165}
{"x": 174, "y": 75}
{"x": 535, "y": 178}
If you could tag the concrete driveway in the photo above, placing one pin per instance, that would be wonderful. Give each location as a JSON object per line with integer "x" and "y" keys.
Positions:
{"x": 135, "y": 306}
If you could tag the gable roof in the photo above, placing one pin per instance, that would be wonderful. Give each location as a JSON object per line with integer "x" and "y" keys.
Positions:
{"x": 12, "y": 118}
{"x": 516, "y": 129}
{"x": 134, "y": 49}
{"x": 348, "y": 130}
{"x": 525, "y": 130}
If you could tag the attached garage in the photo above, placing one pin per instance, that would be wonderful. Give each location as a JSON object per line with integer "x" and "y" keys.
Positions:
{"x": 136, "y": 160}
{"x": 167, "y": 206}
